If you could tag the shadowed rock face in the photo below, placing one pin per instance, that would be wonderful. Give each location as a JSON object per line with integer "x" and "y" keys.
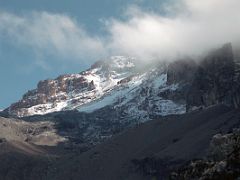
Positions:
{"x": 236, "y": 87}
{"x": 214, "y": 80}
{"x": 181, "y": 71}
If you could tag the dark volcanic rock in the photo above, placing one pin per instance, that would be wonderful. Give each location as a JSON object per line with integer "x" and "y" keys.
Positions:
{"x": 223, "y": 161}
{"x": 213, "y": 80}
{"x": 181, "y": 71}
{"x": 236, "y": 87}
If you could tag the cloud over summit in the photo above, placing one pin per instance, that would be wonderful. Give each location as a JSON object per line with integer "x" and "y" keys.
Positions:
{"x": 197, "y": 27}
{"x": 189, "y": 27}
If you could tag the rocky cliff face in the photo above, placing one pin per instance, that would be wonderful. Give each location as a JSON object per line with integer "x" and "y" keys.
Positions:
{"x": 181, "y": 71}
{"x": 236, "y": 87}
{"x": 214, "y": 81}
{"x": 50, "y": 92}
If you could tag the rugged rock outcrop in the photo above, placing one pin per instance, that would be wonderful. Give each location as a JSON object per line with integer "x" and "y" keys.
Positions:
{"x": 210, "y": 81}
{"x": 223, "y": 161}
{"x": 51, "y": 91}
{"x": 236, "y": 87}
{"x": 181, "y": 71}
{"x": 214, "y": 80}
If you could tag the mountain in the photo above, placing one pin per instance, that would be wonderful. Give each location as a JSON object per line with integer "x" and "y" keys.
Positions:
{"x": 118, "y": 93}
{"x": 136, "y": 91}
{"x": 123, "y": 120}
{"x": 74, "y": 90}
{"x": 116, "y": 82}
{"x": 108, "y": 98}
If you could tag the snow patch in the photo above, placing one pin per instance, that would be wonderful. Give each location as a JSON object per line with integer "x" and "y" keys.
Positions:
{"x": 42, "y": 109}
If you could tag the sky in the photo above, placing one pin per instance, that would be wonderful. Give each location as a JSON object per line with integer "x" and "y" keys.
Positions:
{"x": 44, "y": 39}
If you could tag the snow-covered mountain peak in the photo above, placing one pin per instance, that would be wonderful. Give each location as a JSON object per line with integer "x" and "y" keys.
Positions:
{"x": 115, "y": 63}
{"x": 122, "y": 62}
{"x": 114, "y": 82}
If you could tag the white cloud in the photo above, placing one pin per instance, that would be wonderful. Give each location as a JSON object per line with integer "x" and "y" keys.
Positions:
{"x": 197, "y": 27}
{"x": 190, "y": 27}
{"x": 52, "y": 34}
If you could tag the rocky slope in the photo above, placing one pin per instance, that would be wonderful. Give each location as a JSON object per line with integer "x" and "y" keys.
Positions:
{"x": 151, "y": 150}
{"x": 36, "y": 133}
{"x": 223, "y": 161}
{"x": 23, "y": 152}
